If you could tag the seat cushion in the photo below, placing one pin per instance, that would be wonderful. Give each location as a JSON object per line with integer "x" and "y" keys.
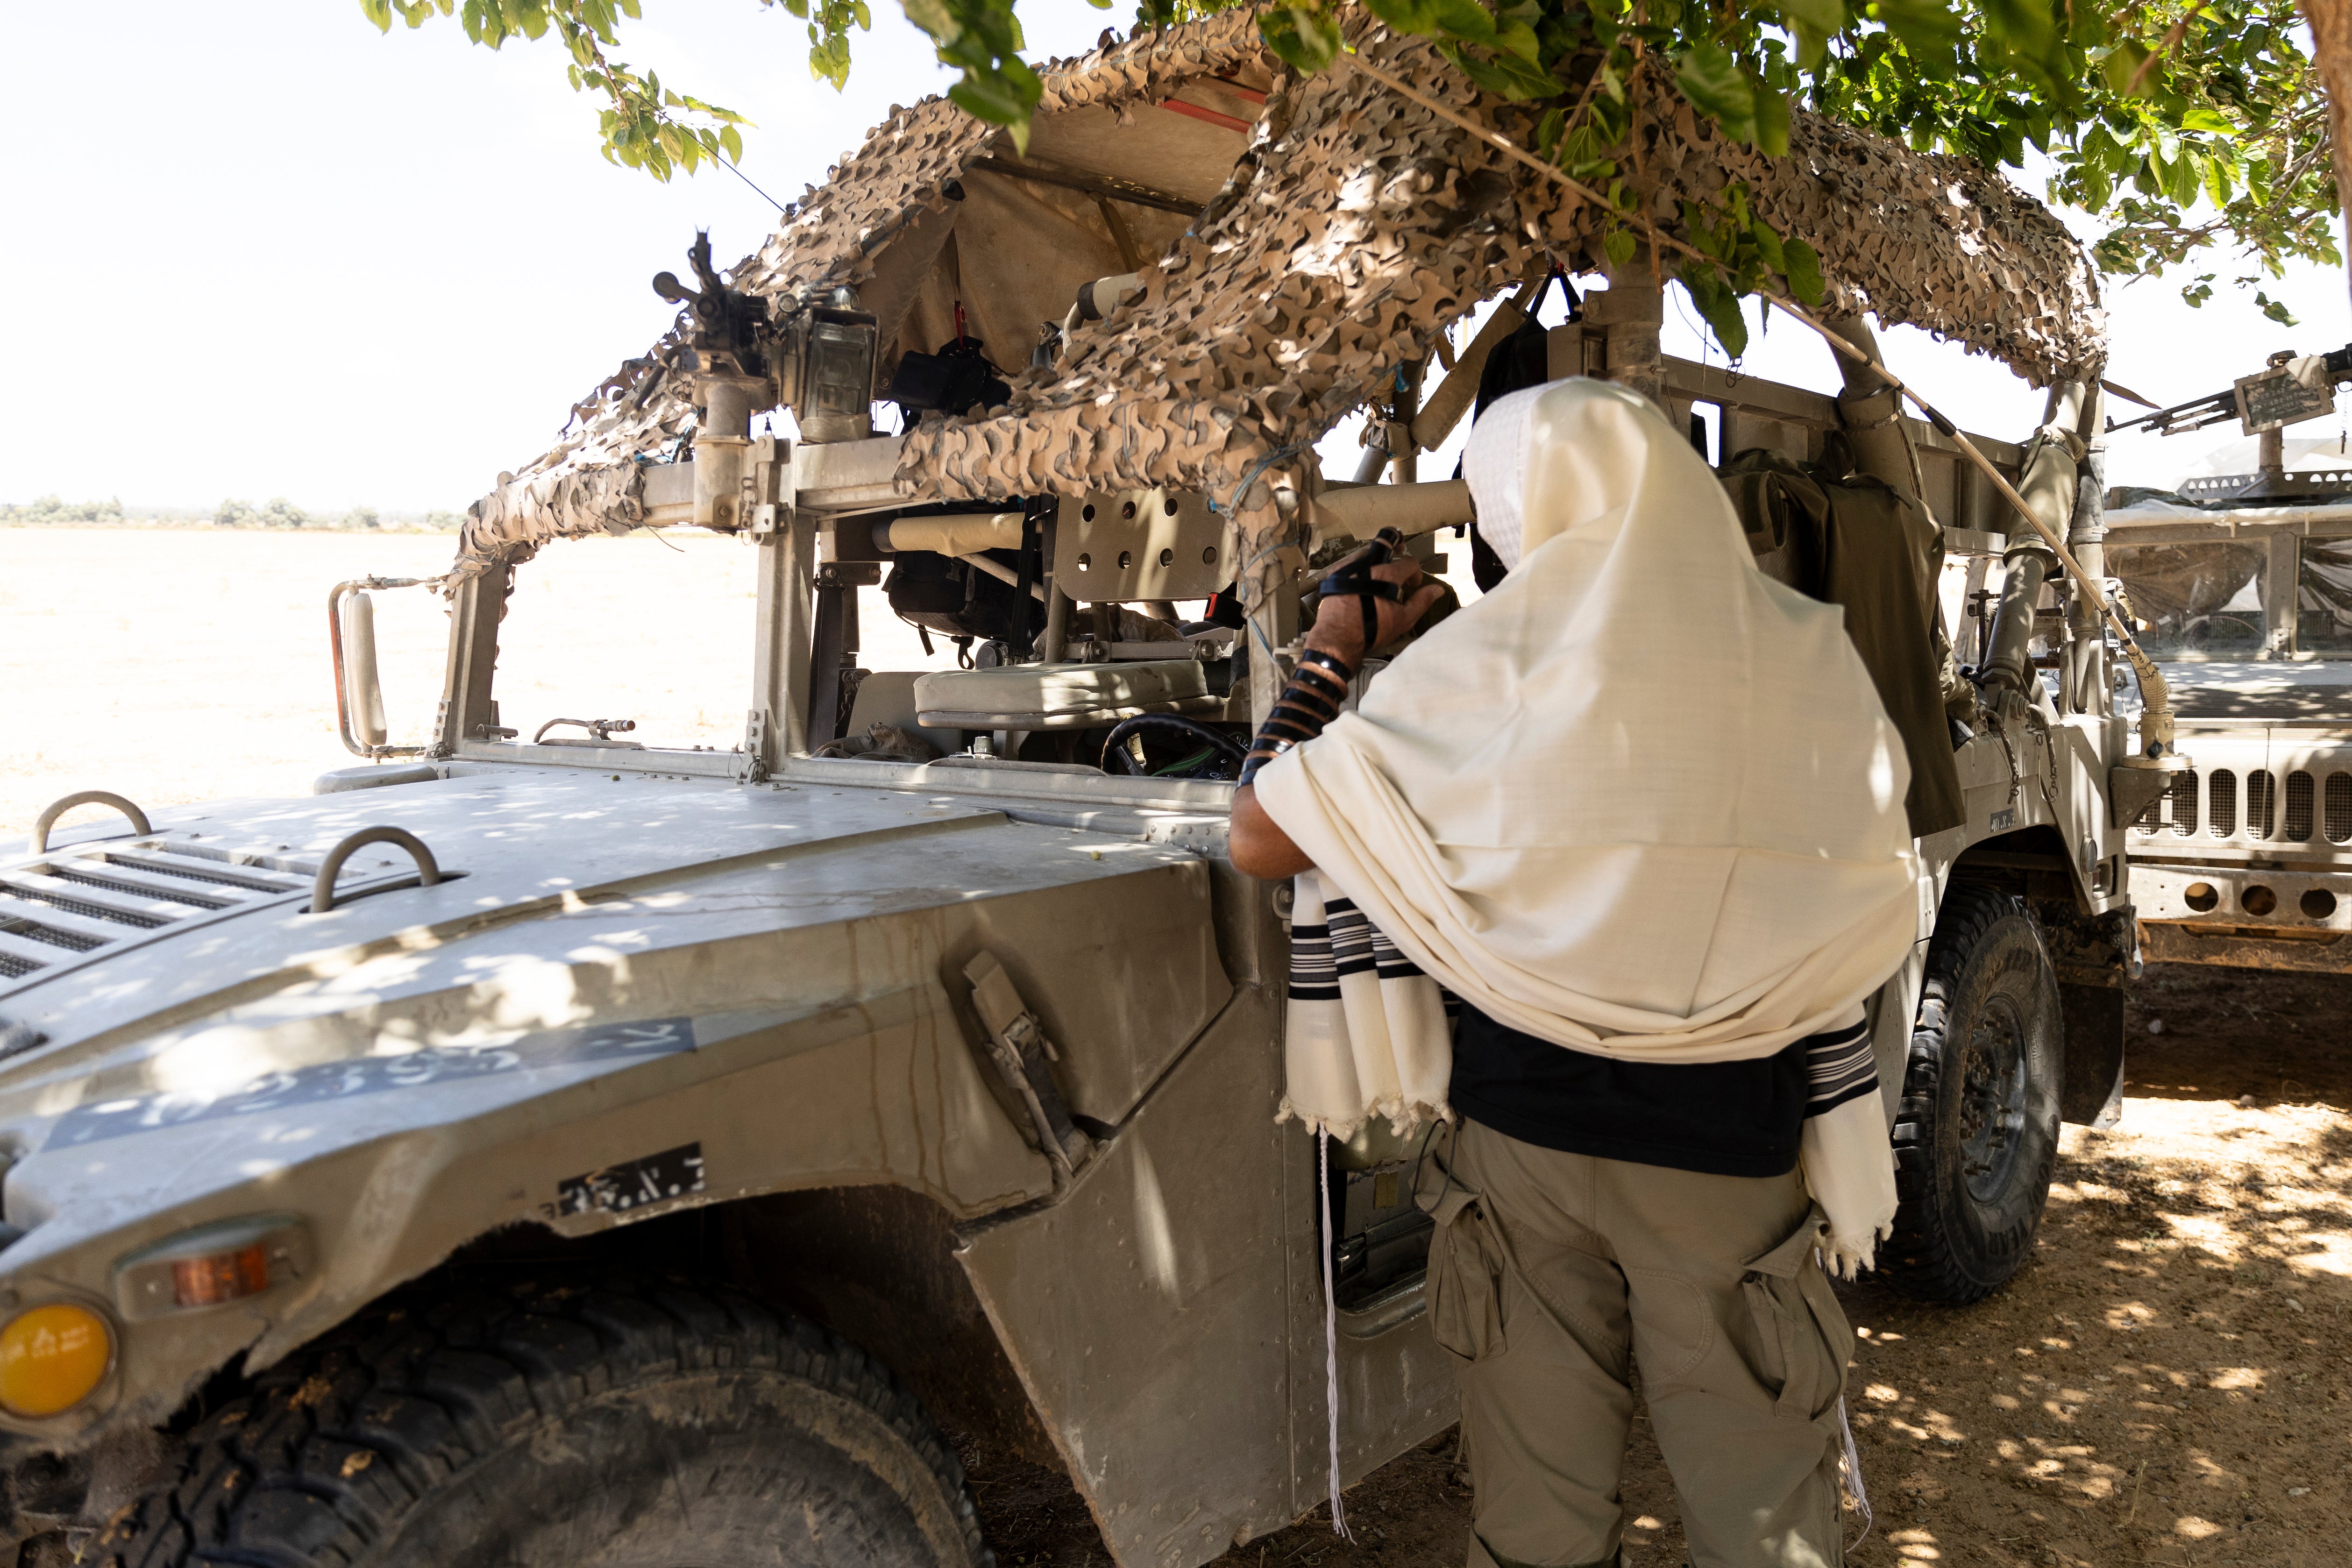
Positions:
{"x": 1059, "y": 697}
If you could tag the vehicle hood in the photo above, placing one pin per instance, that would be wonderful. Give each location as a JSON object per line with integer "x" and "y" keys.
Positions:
{"x": 576, "y": 936}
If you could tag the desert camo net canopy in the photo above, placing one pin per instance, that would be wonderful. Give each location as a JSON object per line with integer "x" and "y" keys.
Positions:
{"x": 1340, "y": 229}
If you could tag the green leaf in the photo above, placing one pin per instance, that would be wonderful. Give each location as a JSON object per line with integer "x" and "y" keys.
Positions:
{"x": 1927, "y": 28}
{"x": 1771, "y": 120}
{"x": 1465, "y": 20}
{"x": 1824, "y": 17}
{"x": 1803, "y": 272}
{"x": 933, "y": 17}
{"x": 1768, "y": 242}
{"x": 1619, "y": 244}
{"x": 1418, "y": 17}
{"x": 1718, "y": 306}
{"x": 732, "y": 140}
{"x": 2217, "y": 181}
{"x": 2275, "y": 309}
{"x": 1505, "y": 74}
{"x": 1547, "y": 131}
{"x": 2181, "y": 178}
{"x": 989, "y": 98}
{"x": 1304, "y": 36}
{"x": 1718, "y": 88}
{"x": 2028, "y": 31}
{"x": 2122, "y": 64}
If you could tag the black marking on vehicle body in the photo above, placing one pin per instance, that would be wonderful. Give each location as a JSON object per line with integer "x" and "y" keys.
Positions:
{"x": 329, "y": 1082}
{"x": 2004, "y": 820}
{"x": 633, "y": 1184}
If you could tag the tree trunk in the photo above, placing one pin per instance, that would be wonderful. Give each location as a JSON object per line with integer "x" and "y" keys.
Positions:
{"x": 2331, "y": 37}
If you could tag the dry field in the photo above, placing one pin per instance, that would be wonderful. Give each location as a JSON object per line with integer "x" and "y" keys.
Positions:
{"x": 187, "y": 664}
{"x": 2165, "y": 1384}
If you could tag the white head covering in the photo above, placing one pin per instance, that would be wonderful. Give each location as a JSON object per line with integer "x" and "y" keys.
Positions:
{"x": 1494, "y": 462}
{"x": 1640, "y": 800}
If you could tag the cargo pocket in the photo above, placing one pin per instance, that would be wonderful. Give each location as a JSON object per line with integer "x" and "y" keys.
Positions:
{"x": 1465, "y": 1278}
{"x": 1802, "y": 1335}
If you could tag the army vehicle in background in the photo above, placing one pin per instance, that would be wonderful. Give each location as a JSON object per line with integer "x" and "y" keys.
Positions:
{"x": 2245, "y": 580}
{"x": 570, "y": 1150}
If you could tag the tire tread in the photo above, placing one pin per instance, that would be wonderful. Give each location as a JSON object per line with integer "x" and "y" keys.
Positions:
{"x": 333, "y": 1447}
{"x": 1920, "y": 1259}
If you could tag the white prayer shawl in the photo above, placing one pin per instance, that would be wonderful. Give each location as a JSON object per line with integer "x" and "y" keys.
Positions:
{"x": 1640, "y": 801}
{"x": 1364, "y": 1026}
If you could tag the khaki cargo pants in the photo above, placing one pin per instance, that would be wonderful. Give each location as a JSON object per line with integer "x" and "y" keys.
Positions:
{"x": 1552, "y": 1274}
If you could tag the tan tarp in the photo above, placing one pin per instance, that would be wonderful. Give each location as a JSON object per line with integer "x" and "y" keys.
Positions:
{"x": 1348, "y": 231}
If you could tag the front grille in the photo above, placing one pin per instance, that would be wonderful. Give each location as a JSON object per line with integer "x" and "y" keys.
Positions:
{"x": 2261, "y": 803}
{"x": 86, "y": 910}
{"x": 2299, "y": 794}
{"x": 2221, "y": 803}
{"x": 2338, "y": 820}
{"x": 34, "y": 931}
{"x": 2183, "y": 792}
{"x": 117, "y": 884}
{"x": 230, "y": 880}
{"x": 182, "y": 869}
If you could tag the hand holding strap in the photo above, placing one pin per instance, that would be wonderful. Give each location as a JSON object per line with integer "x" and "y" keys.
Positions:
{"x": 1353, "y": 579}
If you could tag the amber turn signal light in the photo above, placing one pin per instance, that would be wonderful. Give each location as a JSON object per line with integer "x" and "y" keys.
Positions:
{"x": 53, "y": 1357}
{"x": 212, "y": 1265}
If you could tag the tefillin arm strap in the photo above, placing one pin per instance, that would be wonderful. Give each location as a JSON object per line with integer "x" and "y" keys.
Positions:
{"x": 1319, "y": 685}
{"x": 1310, "y": 701}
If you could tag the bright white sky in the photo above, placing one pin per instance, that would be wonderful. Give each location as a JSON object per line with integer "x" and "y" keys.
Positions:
{"x": 258, "y": 250}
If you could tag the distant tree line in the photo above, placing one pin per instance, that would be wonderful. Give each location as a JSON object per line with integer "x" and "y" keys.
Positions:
{"x": 276, "y": 513}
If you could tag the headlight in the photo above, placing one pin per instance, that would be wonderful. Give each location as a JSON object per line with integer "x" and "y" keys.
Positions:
{"x": 52, "y": 1358}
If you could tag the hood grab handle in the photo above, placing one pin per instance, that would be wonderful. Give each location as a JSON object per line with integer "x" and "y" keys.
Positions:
{"x": 322, "y": 892}
{"x": 56, "y": 808}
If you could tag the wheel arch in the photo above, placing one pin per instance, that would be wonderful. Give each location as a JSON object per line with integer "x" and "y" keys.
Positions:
{"x": 874, "y": 1262}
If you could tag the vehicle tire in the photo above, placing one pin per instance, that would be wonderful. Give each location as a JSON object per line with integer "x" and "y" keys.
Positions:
{"x": 561, "y": 1425}
{"x": 1977, "y": 1133}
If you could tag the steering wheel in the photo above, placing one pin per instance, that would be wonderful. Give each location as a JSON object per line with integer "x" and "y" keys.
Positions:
{"x": 1222, "y": 759}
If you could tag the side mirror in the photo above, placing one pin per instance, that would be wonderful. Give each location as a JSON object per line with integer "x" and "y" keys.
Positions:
{"x": 359, "y": 694}
{"x": 362, "y": 691}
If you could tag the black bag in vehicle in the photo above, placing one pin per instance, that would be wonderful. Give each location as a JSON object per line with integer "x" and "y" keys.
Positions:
{"x": 949, "y": 381}
{"x": 949, "y": 597}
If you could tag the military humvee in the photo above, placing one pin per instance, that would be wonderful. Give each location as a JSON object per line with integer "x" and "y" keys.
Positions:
{"x": 566, "y": 1150}
{"x": 2247, "y": 858}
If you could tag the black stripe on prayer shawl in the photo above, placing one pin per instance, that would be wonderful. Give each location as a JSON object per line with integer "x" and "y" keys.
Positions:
{"x": 1840, "y": 1065}
{"x": 1314, "y": 975}
{"x": 1359, "y": 947}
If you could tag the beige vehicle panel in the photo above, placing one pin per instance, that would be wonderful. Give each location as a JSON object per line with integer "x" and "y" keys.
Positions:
{"x": 793, "y": 1016}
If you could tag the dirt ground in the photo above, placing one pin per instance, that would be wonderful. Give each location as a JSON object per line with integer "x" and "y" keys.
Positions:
{"x": 2164, "y": 1384}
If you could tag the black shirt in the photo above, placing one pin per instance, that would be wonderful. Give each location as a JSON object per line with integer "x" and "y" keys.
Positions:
{"x": 1722, "y": 1118}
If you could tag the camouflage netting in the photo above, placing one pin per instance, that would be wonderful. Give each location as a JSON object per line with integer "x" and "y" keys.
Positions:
{"x": 1355, "y": 228}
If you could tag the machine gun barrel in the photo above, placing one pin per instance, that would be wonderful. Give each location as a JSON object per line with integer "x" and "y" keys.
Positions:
{"x": 2215, "y": 407}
